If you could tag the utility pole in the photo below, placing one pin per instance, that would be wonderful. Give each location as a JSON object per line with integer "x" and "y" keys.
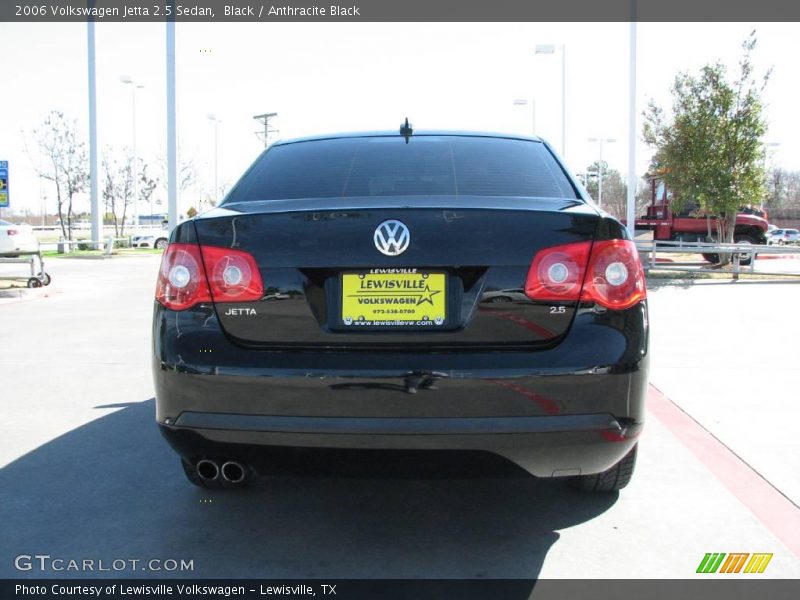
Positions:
{"x": 264, "y": 133}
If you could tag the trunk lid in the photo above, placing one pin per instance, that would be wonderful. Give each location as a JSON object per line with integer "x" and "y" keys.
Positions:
{"x": 464, "y": 270}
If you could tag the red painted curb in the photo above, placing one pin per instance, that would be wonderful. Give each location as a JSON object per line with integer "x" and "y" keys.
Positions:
{"x": 779, "y": 514}
{"x": 777, "y": 256}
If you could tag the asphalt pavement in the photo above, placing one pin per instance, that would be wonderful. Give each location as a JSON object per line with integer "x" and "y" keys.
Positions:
{"x": 84, "y": 474}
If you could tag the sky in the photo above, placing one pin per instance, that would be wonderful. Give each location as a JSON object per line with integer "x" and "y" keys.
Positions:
{"x": 329, "y": 77}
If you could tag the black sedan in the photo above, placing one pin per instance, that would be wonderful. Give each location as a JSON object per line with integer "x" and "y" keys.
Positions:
{"x": 341, "y": 296}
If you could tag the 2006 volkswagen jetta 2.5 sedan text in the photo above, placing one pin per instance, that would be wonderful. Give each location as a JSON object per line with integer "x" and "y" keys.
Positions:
{"x": 344, "y": 295}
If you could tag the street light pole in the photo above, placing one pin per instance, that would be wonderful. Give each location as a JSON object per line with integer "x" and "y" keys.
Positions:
{"x": 94, "y": 196}
{"x": 216, "y": 155}
{"x": 134, "y": 169}
{"x": 563, "y": 101}
{"x": 551, "y": 49}
{"x": 600, "y": 167}
{"x": 172, "y": 129}
{"x": 630, "y": 211}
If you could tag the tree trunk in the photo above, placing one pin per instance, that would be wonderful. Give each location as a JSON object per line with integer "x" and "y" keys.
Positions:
{"x": 726, "y": 224}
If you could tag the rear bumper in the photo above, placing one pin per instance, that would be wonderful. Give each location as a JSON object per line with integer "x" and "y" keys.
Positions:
{"x": 544, "y": 446}
{"x": 576, "y": 408}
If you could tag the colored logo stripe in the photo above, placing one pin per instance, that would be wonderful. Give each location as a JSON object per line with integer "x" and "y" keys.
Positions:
{"x": 758, "y": 563}
{"x": 733, "y": 564}
{"x": 711, "y": 562}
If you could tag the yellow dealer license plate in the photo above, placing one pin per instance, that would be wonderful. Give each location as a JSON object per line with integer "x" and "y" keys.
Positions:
{"x": 394, "y": 298}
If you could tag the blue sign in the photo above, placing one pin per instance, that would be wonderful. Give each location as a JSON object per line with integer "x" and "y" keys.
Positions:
{"x": 3, "y": 184}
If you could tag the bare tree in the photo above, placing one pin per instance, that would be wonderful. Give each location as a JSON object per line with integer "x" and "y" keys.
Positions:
{"x": 186, "y": 169}
{"x": 118, "y": 188}
{"x": 62, "y": 160}
{"x": 147, "y": 185}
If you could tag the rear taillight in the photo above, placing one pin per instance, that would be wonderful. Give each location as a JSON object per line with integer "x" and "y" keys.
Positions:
{"x": 615, "y": 278}
{"x": 608, "y": 273}
{"x": 181, "y": 280}
{"x": 557, "y": 273}
{"x": 12, "y": 231}
{"x": 232, "y": 275}
{"x": 191, "y": 274}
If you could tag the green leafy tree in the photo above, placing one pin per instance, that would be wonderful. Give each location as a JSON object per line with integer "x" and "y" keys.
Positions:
{"x": 711, "y": 150}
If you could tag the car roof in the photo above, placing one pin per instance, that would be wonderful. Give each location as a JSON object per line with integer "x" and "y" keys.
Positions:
{"x": 424, "y": 133}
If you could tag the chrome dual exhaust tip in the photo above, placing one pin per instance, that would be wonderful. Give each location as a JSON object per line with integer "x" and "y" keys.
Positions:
{"x": 231, "y": 471}
{"x": 207, "y": 470}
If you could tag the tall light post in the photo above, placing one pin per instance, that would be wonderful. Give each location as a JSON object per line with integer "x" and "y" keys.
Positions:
{"x": 551, "y": 49}
{"x": 524, "y": 102}
{"x": 94, "y": 195}
{"x": 600, "y": 167}
{"x": 216, "y": 153}
{"x": 630, "y": 209}
{"x": 172, "y": 129}
{"x": 134, "y": 169}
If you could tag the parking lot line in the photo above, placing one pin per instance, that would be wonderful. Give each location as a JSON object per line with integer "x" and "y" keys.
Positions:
{"x": 779, "y": 514}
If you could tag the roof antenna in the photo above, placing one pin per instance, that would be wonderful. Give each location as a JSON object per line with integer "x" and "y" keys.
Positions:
{"x": 405, "y": 130}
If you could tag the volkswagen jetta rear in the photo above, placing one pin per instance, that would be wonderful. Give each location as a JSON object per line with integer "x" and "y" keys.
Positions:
{"x": 345, "y": 295}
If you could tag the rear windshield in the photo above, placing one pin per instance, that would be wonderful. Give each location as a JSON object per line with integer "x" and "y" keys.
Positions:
{"x": 387, "y": 166}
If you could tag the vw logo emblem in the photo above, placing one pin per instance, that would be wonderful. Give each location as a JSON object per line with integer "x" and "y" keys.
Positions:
{"x": 392, "y": 238}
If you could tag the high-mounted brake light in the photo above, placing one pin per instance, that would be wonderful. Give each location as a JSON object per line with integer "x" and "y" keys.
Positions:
{"x": 608, "y": 273}
{"x": 191, "y": 274}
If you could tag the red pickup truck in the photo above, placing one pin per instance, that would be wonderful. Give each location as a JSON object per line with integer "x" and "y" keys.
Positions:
{"x": 751, "y": 226}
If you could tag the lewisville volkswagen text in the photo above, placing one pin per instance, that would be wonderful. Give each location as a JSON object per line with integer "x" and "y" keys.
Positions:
{"x": 344, "y": 295}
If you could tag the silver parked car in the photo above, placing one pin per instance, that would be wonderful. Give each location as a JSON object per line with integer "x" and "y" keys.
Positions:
{"x": 784, "y": 236}
{"x": 155, "y": 239}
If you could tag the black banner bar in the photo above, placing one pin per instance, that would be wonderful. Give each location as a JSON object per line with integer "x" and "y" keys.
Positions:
{"x": 705, "y": 588}
{"x": 228, "y": 11}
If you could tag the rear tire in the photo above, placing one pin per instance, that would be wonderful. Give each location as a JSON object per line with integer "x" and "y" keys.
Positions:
{"x": 745, "y": 259}
{"x": 613, "y": 479}
{"x": 161, "y": 244}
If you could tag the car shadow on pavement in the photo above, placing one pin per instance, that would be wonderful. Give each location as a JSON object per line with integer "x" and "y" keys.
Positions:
{"x": 112, "y": 489}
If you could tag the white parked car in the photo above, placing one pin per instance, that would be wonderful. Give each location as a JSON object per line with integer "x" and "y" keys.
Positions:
{"x": 783, "y": 236}
{"x": 154, "y": 239}
{"x": 16, "y": 238}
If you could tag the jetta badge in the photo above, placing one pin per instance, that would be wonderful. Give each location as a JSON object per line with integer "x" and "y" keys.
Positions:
{"x": 392, "y": 238}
